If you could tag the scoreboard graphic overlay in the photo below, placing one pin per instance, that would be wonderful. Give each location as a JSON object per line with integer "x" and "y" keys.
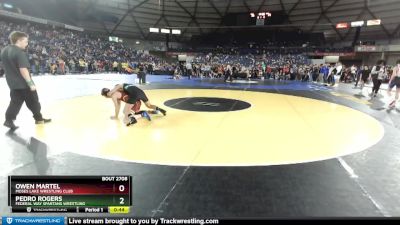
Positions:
{"x": 75, "y": 194}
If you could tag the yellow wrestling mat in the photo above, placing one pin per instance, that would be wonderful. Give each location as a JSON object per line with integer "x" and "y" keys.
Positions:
{"x": 276, "y": 129}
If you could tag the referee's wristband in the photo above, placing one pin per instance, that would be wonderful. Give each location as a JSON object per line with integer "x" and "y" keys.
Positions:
{"x": 30, "y": 83}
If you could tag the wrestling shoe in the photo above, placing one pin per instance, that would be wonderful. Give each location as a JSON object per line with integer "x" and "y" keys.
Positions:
{"x": 146, "y": 115}
{"x": 132, "y": 121}
{"x": 162, "y": 111}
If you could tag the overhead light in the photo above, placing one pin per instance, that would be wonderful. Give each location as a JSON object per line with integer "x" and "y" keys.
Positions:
{"x": 357, "y": 23}
{"x": 113, "y": 39}
{"x": 252, "y": 15}
{"x": 6, "y": 5}
{"x": 176, "y": 31}
{"x": 165, "y": 31}
{"x": 154, "y": 30}
{"x": 137, "y": 42}
{"x": 342, "y": 25}
{"x": 373, "y": 22}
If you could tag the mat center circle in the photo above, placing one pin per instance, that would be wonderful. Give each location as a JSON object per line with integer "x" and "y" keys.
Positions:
{"x": 207, "y": 104}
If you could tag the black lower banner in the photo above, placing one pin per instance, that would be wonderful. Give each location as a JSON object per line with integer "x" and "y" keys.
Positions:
{"x": 79, "y": 209}
{"x": 206, "y": 221}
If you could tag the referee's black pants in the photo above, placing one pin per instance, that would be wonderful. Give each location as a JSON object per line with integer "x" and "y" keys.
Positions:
{"x": 18, "y": 97}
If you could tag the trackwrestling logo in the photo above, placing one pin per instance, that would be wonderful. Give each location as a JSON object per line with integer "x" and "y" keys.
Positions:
{"x": 33, "y": 220}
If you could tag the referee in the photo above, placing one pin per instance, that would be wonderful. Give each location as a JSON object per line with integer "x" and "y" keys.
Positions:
{"x": 22, "y": 88}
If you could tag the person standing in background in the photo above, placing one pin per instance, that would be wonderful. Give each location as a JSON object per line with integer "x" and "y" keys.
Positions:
{"x": 142, "y": 74}
{"x": 365, "y": 72}
{"x": 378, "y": 73}
{"x": 394, "y": 81}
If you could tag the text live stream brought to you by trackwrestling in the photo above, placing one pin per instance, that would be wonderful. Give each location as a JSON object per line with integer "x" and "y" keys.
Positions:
{"x": 102, "y": 221}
